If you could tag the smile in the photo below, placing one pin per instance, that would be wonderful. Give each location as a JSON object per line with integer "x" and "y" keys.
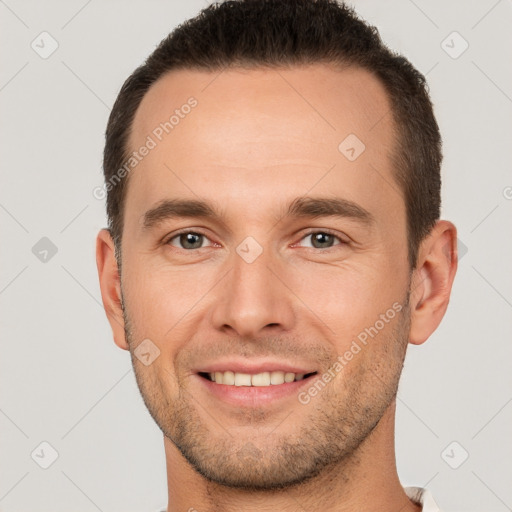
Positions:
{"x": 230, "y": 378}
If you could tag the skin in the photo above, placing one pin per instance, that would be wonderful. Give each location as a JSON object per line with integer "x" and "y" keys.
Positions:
{"x": 257, "y": 140}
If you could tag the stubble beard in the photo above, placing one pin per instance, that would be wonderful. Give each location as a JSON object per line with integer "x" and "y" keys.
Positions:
{"x": 339, "y": 419}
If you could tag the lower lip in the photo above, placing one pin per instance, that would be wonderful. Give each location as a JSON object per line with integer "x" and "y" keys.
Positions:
{"x": 254, "y": 395}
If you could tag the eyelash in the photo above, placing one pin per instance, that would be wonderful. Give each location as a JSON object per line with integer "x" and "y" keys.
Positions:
{"x": 309, "y": 233}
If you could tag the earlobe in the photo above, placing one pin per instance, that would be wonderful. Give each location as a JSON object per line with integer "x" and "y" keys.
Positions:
{"x": 432, "y": 281}
{"x": 110, "y": 286}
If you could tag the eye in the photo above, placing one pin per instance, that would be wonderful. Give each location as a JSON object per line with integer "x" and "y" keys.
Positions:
{"x": 188, "y": 240}
{"x": 322, "y": 240}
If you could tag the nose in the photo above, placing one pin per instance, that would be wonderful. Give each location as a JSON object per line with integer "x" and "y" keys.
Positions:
{"x": 254, "y": 298}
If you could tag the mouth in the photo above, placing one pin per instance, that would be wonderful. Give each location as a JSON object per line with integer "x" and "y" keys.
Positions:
{"x": 262, "y": 379}
{"x": 263, "y": 389}
{"x": 254, "y": 383}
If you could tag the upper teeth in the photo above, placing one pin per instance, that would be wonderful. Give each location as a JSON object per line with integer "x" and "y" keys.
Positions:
{"x": 259, "y": 379}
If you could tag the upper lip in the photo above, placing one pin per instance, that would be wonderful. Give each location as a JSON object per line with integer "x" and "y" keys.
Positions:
{"x": 254, "y": 367}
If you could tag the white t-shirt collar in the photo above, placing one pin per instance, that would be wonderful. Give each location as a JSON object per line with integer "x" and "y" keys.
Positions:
{"x": 422, "y": 497}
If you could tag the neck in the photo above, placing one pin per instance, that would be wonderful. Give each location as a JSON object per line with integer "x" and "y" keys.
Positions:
{"x": 366, "y": 481}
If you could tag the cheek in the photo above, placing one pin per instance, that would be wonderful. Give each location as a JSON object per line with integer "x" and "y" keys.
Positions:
{"x": 347, "y": 297}
{"x": 162, "y": 300}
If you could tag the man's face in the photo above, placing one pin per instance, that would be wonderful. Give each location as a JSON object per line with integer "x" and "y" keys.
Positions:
{"x": 258, "y": 289}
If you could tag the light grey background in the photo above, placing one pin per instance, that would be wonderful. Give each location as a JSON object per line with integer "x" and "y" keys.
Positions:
{"x": 63, "y": 380}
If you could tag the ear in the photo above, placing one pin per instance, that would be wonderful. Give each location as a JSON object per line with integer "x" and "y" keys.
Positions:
{"x": 432, "y": 280}
{"x": 110, "y": 285}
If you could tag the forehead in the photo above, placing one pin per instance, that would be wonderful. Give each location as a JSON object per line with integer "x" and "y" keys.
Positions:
{"x": 264, "y": 130}
{"x": 331, "y": 99}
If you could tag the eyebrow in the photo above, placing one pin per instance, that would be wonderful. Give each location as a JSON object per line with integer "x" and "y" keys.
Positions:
{"x": 308, "y": 207}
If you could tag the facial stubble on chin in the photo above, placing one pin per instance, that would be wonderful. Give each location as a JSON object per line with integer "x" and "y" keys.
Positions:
{"x": 339, "y": 420}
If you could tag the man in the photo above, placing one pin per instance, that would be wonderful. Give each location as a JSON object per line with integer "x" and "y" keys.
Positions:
{"x": 273, "y": 191}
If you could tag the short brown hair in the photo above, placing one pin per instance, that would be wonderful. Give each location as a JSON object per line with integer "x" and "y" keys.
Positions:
{"x": 279, "y": 33}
